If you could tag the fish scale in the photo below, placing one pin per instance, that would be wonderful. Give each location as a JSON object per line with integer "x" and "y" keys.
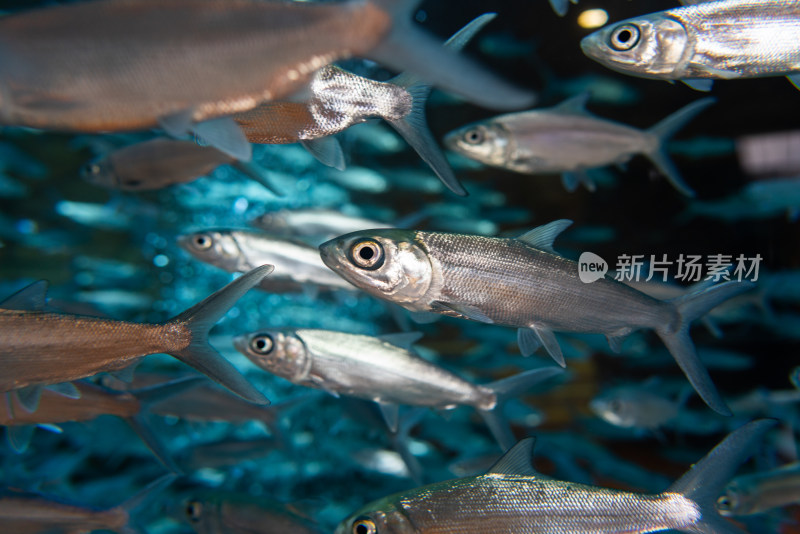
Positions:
{"x": 517, "y": 285}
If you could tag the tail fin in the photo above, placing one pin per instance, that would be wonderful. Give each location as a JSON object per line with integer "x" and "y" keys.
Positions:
{"x": 704, "y": 482}
{"x": 151, "y": 395}
{"x": 414, "y": 128}
{"x": 508, "y": 388}
{"x": 666, "y": 129}
{"x": 679, "y": 344}
{"x": 149, "y": 491}
{"x": 258, "y": 174}
{"x": 200, "y": 318}
{"x": 408, "y": 48}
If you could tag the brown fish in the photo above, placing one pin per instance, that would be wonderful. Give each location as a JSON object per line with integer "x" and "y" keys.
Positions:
{"x": 132, "y": 64}
{"x": 39, "y": 348}
{"x": 161, "y": 162}
{"x": 93, "y": 401}
{"x": 31, "y": 513}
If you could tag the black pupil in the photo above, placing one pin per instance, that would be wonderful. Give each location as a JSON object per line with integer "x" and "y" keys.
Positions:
{"x": 474, "y": 136}
{"x": 362, "y": 529}
{"x": 366, "y": 253}
{"x": 624, "y": 36}
{"x": 261, "y": 344}
{"x": 201, "y": 241}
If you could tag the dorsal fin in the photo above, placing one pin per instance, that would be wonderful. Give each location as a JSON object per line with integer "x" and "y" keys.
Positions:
{"x": 29, "y": 298}
{"x": 517, "y": 461}
{"x": 542, "y": 237}
{"x": 575, "y": 104}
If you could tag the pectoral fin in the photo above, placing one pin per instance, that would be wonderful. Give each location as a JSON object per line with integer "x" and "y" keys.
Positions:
{"x": 391, "y": 414}
{"x": 465, "y": 311}
{"x": 326, "y": 150}
{"x": 528, "y": 341}
{"x": 548, "y": 339}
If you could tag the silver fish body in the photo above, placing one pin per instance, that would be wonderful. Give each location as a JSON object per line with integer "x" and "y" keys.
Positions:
{"x": 360, "y": 366}
{"x": 513, "y": 498}
{"x": 568, "y": 139}
{"x": 296, "y": 263}
{"x": 759, "y": 492}
{"x": 723, "y": 39}
{"x": 521, "y": 283}
{"x": 634, "y": 407}
{"x": 312, "y": 223}
{"x": 235, "y": 513}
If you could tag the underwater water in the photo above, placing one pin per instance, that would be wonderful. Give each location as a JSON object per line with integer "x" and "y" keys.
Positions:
{"x": 115, "y": 254}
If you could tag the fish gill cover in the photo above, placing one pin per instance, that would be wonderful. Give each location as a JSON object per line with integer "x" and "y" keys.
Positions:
{"x": 622, "y": 414}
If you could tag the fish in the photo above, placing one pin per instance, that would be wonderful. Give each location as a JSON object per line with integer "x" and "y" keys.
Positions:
{"x": 567, "y": 139}
{"x": 521, "y": 283}
{"x": 340, "y": 99}
{"x": 763, "y": 199}
{"x": 32, "y": 513}
{"x": 190, "y": 64}
{"x": 225, "y": 453}
{"x": 160, "y": 162}
{"x": 240, "y": 513}
{"x": 513, "y": 498}
{"x": 758, "y": 492}
{"x": 381, "y": 369}
{"x": 313, "y": 222}
{"x": 636, "y": 407}
{"x": 39, "y": 347}
{"x": 696, "y": 44}
{"x": 91, "y": 401}
{"x": 296, "y": 263}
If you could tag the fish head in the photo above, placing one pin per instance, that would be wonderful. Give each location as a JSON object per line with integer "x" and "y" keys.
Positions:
{"x": 733, "y": 500}
{"x": 391, "y": 264}
{"x": 280, "y": 352}
{"x": 217, "y": 247}
{"x": 654, "y": 46}
{"x": 488, "y": 142}
{"x": 99, "y": 171}
{"x": 274, "y": 222}
{"x": 380, "y": 517}
{"x": 198, "y": 512}
{"x": 617, "y": 408}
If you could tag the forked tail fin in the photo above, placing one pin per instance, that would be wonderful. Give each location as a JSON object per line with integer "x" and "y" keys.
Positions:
{"x": 200, "y": 318}
{"x": 704, "y": 482}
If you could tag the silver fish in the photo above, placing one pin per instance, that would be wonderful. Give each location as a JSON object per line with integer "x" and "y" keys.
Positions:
{"x": 723, "y": 39}
{"x": 39, "y": 347}
{"x": 759, "y": 492}
{"x": 133, "y": 64}
{"x": 522, "y": 283}
{"x": 339, "y": 99}
{"x": 236, "y": 251}
{"x": 313, "y": 223}
{"x": 513, "y": 498}
{"x": 381, "y": 369}
{"x": 636, "y": 407}
{"x": 567, "y": 139}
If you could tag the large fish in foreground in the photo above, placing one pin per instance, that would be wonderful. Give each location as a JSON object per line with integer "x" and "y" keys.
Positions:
{"x": 135, "y": 64}
{"x": 723, "y": 39}
{"x": 39, "y": 348}
{"x": 569, "y": 140}
{"x": 513, "y": 498}
{"x": 522, "y": 283}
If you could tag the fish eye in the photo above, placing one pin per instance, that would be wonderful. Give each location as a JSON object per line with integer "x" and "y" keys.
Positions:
{"x": 90, "y": 169}
{"x": 367, "y": 254}
{"x": 202, "y": 241}
{"x": 364, "y": 525}
{"x": 474, "y": 136}
{"x": 624, "y": 37}
{"x": 724, "y": 503}
{"x": 262, "y": 344}
{"x": 194, "y": 510}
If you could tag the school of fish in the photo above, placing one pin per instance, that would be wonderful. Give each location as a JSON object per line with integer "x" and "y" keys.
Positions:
{"x": 278, "y": 266}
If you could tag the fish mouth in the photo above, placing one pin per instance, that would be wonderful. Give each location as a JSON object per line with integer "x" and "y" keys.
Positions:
{"x": 327, "y": 252}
